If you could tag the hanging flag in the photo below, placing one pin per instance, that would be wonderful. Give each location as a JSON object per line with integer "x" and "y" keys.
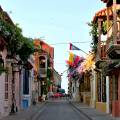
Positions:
{"x": 73, "y": 47}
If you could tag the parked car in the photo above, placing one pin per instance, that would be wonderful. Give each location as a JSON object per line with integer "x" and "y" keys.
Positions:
{"x": 56, "y": 95}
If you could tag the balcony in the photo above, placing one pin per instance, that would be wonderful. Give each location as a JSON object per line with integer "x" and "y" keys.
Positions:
{"x": 113, "y": 50}
{"x": 101, "y": 58}
{"x": 42, "y": 72}
{"x": 113, "y": 41}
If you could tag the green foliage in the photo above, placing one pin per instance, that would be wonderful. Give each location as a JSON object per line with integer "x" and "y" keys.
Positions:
{"x": 26, "y": 50}
{"x": 94, "y": 33}
{"x": 104, "y": 27}
{"x": 49, "y": 73}
{"x": 48, "y": 62}
{"x": 17, "y": 44}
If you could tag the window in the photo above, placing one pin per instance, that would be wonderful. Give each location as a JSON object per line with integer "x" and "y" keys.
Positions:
{"x": 42, "y": 61}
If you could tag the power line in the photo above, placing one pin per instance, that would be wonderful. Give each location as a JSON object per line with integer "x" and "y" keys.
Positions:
{"x": 69, "y": 43}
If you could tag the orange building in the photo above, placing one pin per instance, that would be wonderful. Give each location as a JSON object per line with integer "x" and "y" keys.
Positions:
{"x": 43, "y": 68}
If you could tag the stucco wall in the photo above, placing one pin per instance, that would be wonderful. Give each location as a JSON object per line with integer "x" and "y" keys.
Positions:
{"x": 2, "y": 91}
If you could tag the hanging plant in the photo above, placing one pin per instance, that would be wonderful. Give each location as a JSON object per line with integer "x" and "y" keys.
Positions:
{"x": 94, "y": 33}
{"x": 49, "y": 73}
{"x": 104, "y": 27}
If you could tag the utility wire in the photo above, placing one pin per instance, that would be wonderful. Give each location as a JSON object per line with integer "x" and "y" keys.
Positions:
{"x": 69, "y": 43}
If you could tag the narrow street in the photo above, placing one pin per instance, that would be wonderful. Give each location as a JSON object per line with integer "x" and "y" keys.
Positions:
{"x": 60, "y": 60}
{"x": 59, "y": 110}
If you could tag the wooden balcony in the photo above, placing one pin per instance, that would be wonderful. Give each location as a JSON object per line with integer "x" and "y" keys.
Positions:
{"x": 114, "y": 51}
{"x": 100, "y": 59}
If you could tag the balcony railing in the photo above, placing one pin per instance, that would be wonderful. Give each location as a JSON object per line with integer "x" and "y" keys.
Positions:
{"x": 102, "y": 57}
{"x": 113, "y": 48}
{"x": 42, "y": 72}
{"x": 113, "y": 42}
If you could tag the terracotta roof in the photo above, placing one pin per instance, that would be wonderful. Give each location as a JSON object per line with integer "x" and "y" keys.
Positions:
{"x": 102, "y": 14}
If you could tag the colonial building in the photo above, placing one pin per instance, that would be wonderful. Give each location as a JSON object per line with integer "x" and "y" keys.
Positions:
{"x": 57, "y": 81}
{"x": 107, "y": 58}
{"x": 12, "y": 67}
{"x": 44, "y": 63}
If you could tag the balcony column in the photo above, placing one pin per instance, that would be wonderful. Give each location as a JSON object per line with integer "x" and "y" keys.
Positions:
{"x": 114, "y": 22}
{"x": 107, "y": 94}
{"x": 99, "y": 37}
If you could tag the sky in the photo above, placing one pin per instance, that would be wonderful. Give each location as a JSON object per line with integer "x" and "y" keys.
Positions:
{"x": 56, "y": 22}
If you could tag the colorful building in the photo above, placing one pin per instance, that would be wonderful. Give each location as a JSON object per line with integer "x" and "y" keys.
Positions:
{"x": 107, "y": 58}
{"x": 44, "y": 64}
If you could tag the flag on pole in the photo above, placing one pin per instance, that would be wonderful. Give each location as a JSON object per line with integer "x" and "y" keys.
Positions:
{"x": 73, "y": 47}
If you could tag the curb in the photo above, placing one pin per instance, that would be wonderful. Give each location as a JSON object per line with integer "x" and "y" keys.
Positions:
{"x": 31, "y": 117}
{"x": 35, "y": 116}
{"x": 25, "y": 114}
{"x": 80, "y": 111}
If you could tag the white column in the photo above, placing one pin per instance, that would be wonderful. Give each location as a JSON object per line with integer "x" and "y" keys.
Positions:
{"x": 107, "y": 94}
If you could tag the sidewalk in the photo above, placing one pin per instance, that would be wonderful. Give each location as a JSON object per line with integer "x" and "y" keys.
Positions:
{"x": 92, "y": 113}
{"x": 27, "y": 114}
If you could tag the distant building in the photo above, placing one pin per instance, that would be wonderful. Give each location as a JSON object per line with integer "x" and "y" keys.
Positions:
{"x": 57, "y": 81}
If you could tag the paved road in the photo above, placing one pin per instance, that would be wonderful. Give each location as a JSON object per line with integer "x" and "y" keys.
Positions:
{"x": 59, "y": 110}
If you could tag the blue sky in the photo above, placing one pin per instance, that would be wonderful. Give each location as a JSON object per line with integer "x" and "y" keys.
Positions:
{"x": 55, "y": 21}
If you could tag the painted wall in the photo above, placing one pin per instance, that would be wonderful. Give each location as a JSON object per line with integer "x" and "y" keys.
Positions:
{"x": 2, "y": 92}
{"x": 4, "y": 109}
